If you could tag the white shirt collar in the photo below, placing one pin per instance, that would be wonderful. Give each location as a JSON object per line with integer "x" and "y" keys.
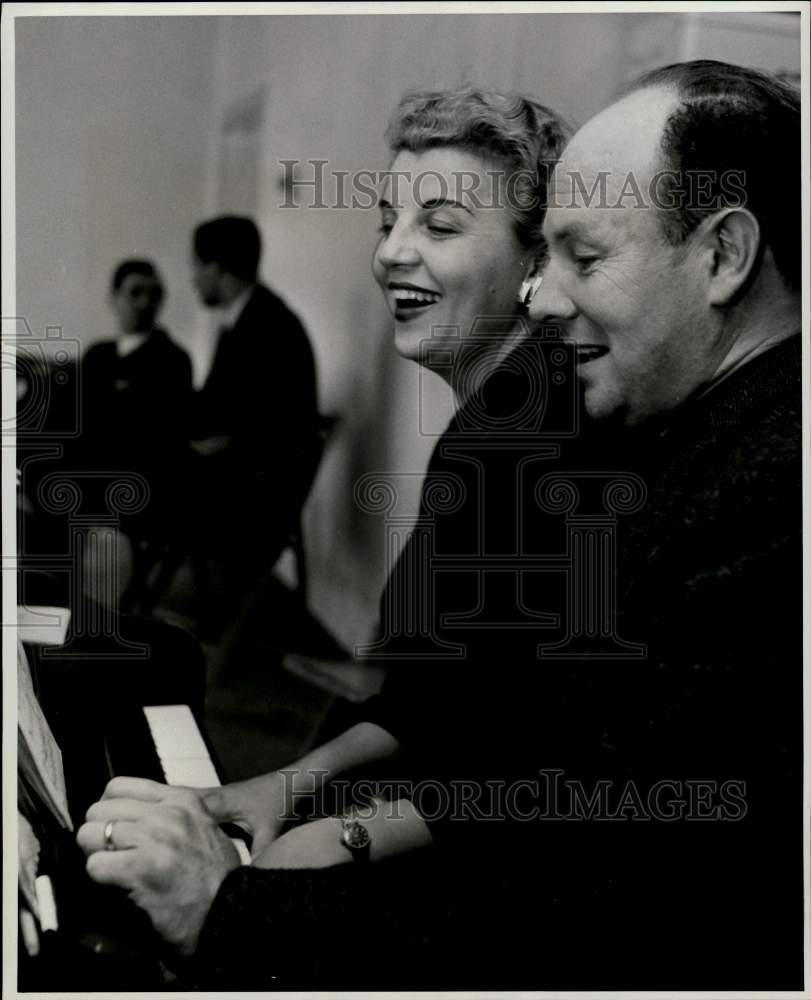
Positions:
{"x": 126, "y": 343}
{"x": 230, "y": 314}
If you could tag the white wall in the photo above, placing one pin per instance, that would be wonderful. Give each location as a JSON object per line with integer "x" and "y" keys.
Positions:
{"x": 111, "y": 155}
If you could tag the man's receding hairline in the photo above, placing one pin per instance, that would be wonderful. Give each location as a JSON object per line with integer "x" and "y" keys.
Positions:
{"x": 658, "y": 159}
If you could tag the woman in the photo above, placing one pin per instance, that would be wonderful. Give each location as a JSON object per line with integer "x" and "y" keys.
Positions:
{"x": 461, "y": 217}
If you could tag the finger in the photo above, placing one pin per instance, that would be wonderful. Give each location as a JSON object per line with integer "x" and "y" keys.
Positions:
{"x": 114, "y": 868}
{"x": 124, "y": 836}
{"x": 215, "y": 803}
{"x": 135, "y": 788}
{"x": 118, "y": 809}
{"x": 261, "y": 839}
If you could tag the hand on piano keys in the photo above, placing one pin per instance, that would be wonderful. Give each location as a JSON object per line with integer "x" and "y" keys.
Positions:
{"x": 259, "y": 805}
{"x": 161, "y": 845}
{"x": 183, "y": 759}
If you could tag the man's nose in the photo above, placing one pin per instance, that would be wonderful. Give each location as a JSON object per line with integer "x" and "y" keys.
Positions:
{"x": 398, "y": 249}
{"x": 551, "y": 303}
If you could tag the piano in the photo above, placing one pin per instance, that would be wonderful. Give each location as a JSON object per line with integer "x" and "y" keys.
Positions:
{"x": 111, "y": 716}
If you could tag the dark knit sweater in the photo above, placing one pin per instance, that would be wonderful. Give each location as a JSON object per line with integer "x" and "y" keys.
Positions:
{"x": 709, "y": 582}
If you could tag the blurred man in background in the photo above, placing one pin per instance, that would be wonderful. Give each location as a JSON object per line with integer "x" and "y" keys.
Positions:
{"x": 255, "y": 426}
{"x": 137, "y": 400}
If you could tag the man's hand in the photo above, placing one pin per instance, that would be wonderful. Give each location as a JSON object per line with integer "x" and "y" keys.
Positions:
{"x": 169, "y": 854}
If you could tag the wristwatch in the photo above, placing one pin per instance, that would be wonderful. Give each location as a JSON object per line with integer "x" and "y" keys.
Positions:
{"x": 355, "y": 838}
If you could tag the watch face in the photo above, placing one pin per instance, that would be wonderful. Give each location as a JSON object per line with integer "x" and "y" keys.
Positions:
{"x": 356, "y": 836}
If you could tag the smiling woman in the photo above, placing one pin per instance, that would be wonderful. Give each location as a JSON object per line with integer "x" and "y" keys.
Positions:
{"x": 443, "y": 263}
{"x": 461, "y": 214}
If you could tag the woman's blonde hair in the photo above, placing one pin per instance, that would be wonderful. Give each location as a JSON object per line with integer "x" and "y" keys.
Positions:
{"x": 518, "y": 133}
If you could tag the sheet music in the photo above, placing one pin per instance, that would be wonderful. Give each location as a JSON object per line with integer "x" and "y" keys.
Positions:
{"x": 40, "y": 758}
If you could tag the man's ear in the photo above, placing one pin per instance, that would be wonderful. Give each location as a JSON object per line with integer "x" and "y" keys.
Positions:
{"x": 734, "y": 252}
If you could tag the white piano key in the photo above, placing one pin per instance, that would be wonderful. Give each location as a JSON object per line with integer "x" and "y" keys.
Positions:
{"x": 183, "y": 754}
{"x": 195, "y": 772}
{"x": 242, "y": 851}
{"x": 174, "y": 731}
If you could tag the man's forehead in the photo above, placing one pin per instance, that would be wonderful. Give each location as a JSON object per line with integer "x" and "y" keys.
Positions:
{"x": 623, "y": 139}
{"x": 600, "y": 224}
{"x": 610, "y": 166}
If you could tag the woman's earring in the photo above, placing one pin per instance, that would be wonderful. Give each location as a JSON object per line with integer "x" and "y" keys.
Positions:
{"x": 529, "y": 289}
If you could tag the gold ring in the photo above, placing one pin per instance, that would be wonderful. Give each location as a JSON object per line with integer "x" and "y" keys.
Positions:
{"x": 108, "y": 836}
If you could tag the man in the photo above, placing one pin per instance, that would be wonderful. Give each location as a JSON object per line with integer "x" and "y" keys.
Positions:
{"x": 256, "y": 419}
{"x": 137, "y": 396}
{"x": 682, "y": 865}
{"x": 674, "y": 268}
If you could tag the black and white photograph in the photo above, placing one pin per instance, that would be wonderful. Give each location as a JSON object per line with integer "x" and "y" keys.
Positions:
{"x": 404, "y": 425}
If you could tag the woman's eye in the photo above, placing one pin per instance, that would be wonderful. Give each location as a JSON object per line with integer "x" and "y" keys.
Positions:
{"x": 438, "y": 229}
{"x": 385, "y": 228}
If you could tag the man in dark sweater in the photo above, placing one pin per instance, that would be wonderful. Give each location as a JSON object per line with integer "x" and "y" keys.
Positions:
{"x": 674, "y": 270}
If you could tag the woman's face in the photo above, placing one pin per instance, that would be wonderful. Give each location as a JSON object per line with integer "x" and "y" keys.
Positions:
{"x": 448, "y": 252}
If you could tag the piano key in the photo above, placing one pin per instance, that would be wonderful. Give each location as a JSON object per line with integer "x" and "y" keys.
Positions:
{"x": 184, "y": 758}
{"x": 175, "y": 731}
{"x": 146, "y": 743}
{"x": 242, "y": 850}
{"x": 193, "y": 772}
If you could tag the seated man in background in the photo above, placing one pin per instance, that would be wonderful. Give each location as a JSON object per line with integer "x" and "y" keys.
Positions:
{"x": 255, "y": 426}
{"x": 680, "y": 864}
{"x": 136, "y": 400}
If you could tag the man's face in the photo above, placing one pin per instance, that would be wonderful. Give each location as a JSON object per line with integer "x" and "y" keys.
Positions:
{"x": 206, "y": 278}
{"x": 136, "y": 303}
{"x": 631, "y": 303}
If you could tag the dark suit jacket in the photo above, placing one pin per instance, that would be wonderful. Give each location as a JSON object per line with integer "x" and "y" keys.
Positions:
{"x": 136, "y": 414}
{"x": 261, "y": 394}
{"x": 143, "y": 399}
